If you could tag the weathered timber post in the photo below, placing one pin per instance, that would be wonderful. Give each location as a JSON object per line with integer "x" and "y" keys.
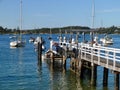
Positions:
{"x": 40, "y": 50}
{"x": 64, "y": 61}
{"x": 117, "y": 81}
{"x": 80, "y": 66}
{"x": 52, "y": 57}
{"x": 72, "y": 63}
{"x": 93, "y": 74}
{"x": 79, "y": 63}
{"x": 105, "y": 77}
{"x": 77, "y": 51}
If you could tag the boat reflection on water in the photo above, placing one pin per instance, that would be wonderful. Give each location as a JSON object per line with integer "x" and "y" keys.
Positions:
{"x": 13, "y": 47}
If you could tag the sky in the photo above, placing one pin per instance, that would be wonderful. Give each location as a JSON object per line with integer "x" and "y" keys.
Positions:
{"x": 59, "y": 13}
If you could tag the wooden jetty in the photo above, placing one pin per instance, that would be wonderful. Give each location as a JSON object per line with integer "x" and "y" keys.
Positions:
{"x": 90, "y": 56}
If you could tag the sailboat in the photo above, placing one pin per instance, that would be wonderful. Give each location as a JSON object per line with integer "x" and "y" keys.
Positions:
{"x": 18, "y": 41}
{"x": 107, "y": 40}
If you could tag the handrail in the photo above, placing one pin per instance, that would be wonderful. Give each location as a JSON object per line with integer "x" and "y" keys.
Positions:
{"x": 107, "y": 53}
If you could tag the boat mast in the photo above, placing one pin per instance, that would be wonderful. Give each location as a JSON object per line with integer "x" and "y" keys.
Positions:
{"x": 50, "y": 35}
{"x": 93, "y": 13}
{"x": 20, "y": 18}
{"x": 93, "y": 16}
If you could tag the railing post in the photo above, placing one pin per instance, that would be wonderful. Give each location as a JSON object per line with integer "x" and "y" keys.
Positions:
{"x": 98, "y": 56}
{"x": 85, "y": 51}
{"x": 91, "y": 54}
{"x": 107, "y": 56}
{"x": 114, "y": 57}
{"x": 81, "y": 51}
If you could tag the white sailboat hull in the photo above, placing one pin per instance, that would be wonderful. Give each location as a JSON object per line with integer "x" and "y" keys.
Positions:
{"x": 17, "y": 44}
{"x": 106, "y": 41}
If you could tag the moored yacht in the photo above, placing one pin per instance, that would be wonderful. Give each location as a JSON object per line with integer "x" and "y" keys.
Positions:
{"x": 107, "y": 40}
{"x": 18, "y": 41}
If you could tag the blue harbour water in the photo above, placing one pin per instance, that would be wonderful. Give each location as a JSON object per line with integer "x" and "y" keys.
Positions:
{"x": 19, "y": 69}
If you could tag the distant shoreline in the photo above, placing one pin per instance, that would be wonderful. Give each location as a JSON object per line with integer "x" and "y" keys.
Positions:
{"x": 109, "y": 30}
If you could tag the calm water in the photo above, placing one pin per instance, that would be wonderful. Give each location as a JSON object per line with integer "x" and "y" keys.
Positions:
{"x": 19, "y": 70}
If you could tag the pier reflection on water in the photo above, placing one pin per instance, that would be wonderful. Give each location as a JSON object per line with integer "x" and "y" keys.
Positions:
{"x": 62, "y": 78}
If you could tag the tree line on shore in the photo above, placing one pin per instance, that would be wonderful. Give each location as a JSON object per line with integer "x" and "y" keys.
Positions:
{"x": 102, "y": 30}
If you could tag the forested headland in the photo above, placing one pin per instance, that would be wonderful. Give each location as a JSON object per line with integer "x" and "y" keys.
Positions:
{"x": 102, "y": 30}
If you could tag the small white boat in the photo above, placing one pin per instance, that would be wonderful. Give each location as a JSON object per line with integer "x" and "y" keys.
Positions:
{"x": 12, "y": 37}
{"x": 31, "y": 39}
{"x": 17, "y": 43}
{"x": 107, "y": 40}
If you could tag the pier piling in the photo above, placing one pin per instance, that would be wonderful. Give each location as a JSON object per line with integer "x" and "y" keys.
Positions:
{"x": 117, "y": 81}
{"x": 39, "y": 46}
{"x": 93, "y": 74}
{"x": 64, "y": 61}
{"x": 105, "y": 77}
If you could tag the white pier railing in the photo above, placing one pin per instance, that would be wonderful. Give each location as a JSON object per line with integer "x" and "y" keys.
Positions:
{"x": 104, "y": 56}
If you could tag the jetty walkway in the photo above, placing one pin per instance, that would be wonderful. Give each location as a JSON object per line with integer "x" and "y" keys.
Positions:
{"x": 89, "y": 55}
{"x": 104, "y": 56}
